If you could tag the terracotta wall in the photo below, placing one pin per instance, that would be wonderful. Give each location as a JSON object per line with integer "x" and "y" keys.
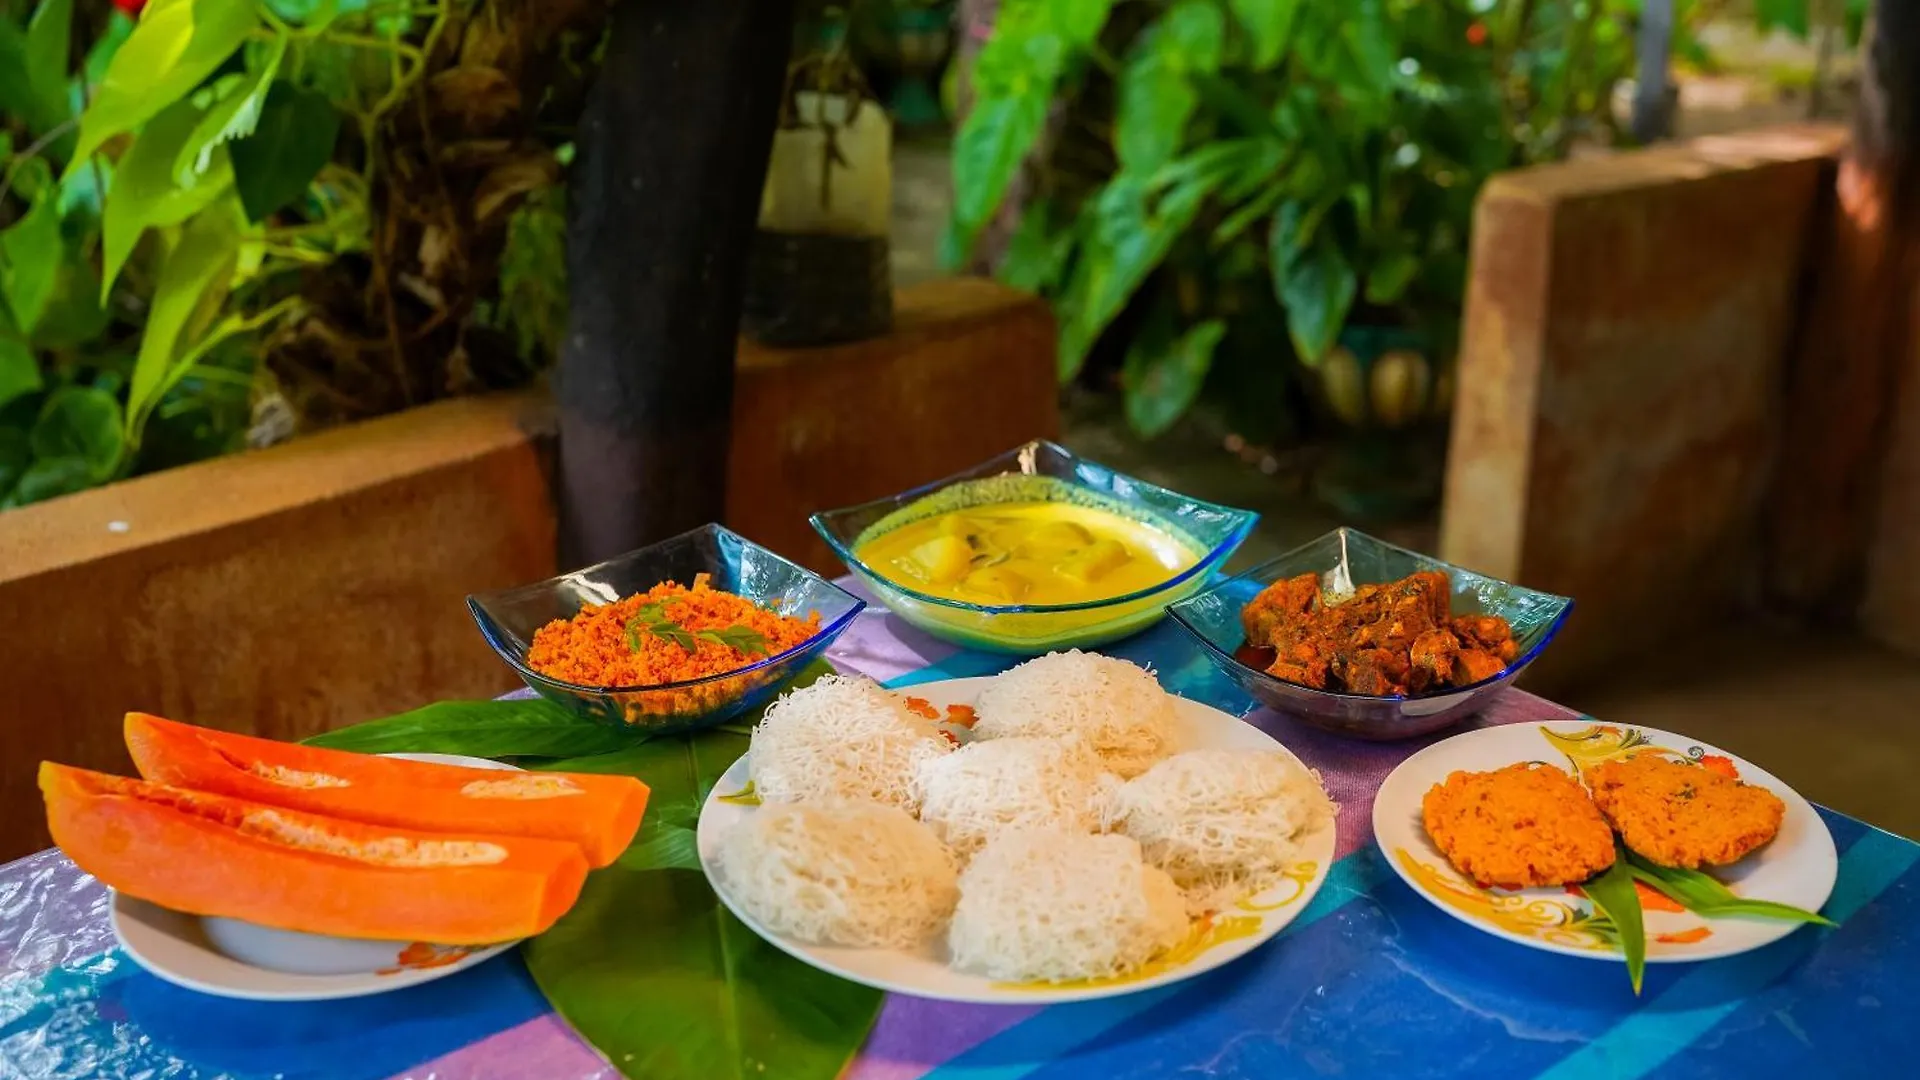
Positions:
{"x": 1626, "y": 333}
{"x": 321, "y": 582}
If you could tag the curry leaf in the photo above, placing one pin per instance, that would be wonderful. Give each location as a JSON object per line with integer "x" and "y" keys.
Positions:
{"x": 192, "y": 283}
{"x": 175, "y": 45}
{"x": 83, "y": 423}
{"x": 741, "y": 638}
{"x": 1268, "y": 23}
{"x": 1163, "y": 378}
{"x": 294, "y": 139}
{"x": 234, "y": 116}
{"x": 529, "y": 727}
{"x": 144, "y": 194}
{"x": 1613, "y": 893}
{"x": 1706, "y": 895}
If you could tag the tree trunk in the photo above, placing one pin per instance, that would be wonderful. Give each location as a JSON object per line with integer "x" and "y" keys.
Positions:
{"x": 672, "y": 155}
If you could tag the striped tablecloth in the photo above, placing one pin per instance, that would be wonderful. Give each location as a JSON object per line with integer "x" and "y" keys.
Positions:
{"x": 1369, "y": 981}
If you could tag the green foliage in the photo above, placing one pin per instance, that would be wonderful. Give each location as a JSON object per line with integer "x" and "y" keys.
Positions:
{"x": 191, "y": 149}
{"x": 533, "y": 274}
{"x": 1320, "y": 160}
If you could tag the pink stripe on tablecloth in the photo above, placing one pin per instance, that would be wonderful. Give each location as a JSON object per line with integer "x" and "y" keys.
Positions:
{"x": 881, "y": 644}
{"x": 914, "y": 1035}
{"x": 544, "y": 1048}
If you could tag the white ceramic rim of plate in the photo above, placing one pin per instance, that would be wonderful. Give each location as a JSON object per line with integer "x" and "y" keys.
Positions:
{"x": 941, "y": 983}
{"x": 173, "y": 946}
{"x": 1804, "y": 839}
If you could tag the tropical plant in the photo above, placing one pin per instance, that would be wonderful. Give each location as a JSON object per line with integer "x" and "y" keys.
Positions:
{"x": 356, "y": 191}
{"x": 1228, "y": 155}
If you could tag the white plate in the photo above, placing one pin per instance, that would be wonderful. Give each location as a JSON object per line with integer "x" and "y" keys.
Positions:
{"x": 1798, "y": 867}
{"x": 235, "y": 959}
{"x": 924, "y": 973}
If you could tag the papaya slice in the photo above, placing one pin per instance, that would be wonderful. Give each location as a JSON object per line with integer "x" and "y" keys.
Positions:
{"x": 599, "y": 813}
{"x": 208, "y": 854}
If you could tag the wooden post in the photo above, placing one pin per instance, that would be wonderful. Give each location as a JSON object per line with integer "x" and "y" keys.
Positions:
{"x": 1856, "y": 346}
{"x": 672, "y": 154}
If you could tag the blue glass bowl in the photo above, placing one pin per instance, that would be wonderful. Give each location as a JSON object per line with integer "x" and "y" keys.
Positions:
{"x": 509, "y": 618}
{"x": 1344, "y": 559}
{"x": 1040, "y": 471}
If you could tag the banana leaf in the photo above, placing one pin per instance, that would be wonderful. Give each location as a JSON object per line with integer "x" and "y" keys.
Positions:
{"x": 527, "y": 727}
{"x": 657, "y": 975}
{"x": 1613, "y": 893}
{"x": 1704, "y": 894}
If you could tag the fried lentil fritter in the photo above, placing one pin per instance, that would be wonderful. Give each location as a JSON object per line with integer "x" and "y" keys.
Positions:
{"x": 1678, "y": 814}
{"x": 1518, "y": 827}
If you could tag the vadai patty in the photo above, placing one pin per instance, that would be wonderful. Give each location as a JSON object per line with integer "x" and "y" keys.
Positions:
{"x": 1682, "y": 815}
{"x": 1518, "y": 827}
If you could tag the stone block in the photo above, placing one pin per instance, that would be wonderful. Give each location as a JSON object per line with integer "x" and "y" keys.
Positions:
{"x": 1626, "y": 331}
{"x": 966, "y": 373}
{"x": 279, "y": 592}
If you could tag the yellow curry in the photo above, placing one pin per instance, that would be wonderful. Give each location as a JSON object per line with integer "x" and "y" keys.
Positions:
{"x": 1027, "y": 553}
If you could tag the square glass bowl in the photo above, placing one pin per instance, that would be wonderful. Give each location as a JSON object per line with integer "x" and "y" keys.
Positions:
{"x": 1040, "y": 471}
{"x": 509, "y": 618}
{"x": 1345, "y": 558}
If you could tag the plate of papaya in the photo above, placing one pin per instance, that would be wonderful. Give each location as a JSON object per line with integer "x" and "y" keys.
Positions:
{"x": 255, "y": 869}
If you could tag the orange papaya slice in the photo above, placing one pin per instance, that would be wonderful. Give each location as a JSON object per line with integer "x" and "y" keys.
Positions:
{"x": 599, "y": 813}
{"x": 208, "y": 854}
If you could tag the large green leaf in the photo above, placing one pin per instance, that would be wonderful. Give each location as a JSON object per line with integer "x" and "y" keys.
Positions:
{"x": 33, "y": 71}
{"x": 294, "y": 139}
{"x": 660, "y": 978}
{"x": 1268, "y": 23}
{"x": 49, "y": 478}
{"x": 19, "y": 371}
{"x": 1163, "y": 377}
{"x": 1788, "y": 15}
{"x": 144, "y": 193}
{"x": 16, "y": 454}
{"x": 1130, "y": 233}
{"x": 1013, "y": 82}
{"x": 520, "y": 728}
{"x": 30, "y": 256}
{"x": 1315, "y": 282}
{"x": 1156, "y": 92}
{"x": 234, "y": 116}
{"x": 82, "y": 423}
{"x": 192, "y": 283}
{"x": 175, "y": 45}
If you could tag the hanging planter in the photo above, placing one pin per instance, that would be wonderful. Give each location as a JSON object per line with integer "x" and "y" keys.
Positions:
{"x": 819, "y": 272}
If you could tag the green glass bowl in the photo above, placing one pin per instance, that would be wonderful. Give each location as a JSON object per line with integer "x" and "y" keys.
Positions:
{"x": 1039, "y": 471}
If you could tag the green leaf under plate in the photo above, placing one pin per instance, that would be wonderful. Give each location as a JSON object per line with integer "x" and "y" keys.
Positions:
{"x": 653, "y": 971}
{"x": 1613, "y": 893}
{"x": 531, "y": 727}
{"x": 1704, "y": 894}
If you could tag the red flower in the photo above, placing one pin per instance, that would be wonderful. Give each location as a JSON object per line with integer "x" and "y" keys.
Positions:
{"x": 1476, "y": 33}
{"x": 131, "y": 7}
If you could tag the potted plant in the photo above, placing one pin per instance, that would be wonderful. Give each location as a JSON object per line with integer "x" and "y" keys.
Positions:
{"x": 1227, "y": 168}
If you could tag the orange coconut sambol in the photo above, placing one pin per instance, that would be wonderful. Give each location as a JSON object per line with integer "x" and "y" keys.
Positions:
{"x": 668, "y": 634}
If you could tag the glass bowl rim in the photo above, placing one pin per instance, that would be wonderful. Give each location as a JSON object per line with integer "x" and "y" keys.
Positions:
{"x": 1507, "y": 672}
{"x": 1244, "y": 521}
{"x": 823, "y": 636}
